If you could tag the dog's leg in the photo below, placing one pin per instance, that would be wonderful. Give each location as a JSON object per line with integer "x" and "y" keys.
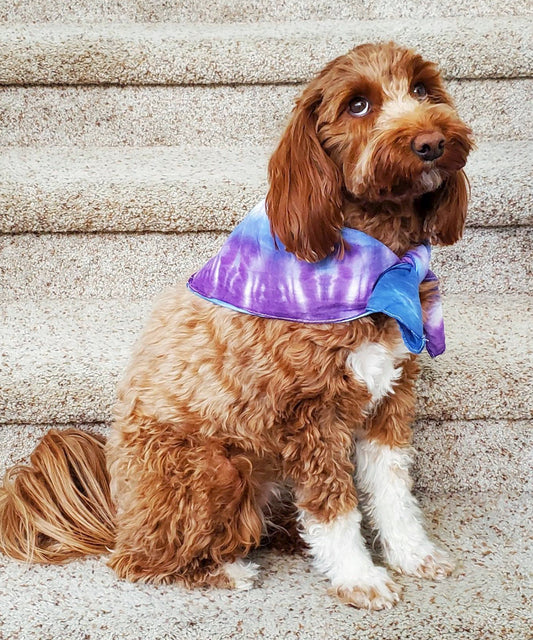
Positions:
{"x": 320, "y": 466}
{"x": 186, "y": 512}
{"x": 383, "y": 457}
{"x": 339, "y": 552}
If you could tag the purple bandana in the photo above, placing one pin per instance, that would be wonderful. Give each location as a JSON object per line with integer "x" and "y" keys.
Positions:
{"x": 253, "y": 273}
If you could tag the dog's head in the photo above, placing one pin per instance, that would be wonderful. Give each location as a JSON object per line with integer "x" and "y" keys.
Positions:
{"x": 376, "y": 125}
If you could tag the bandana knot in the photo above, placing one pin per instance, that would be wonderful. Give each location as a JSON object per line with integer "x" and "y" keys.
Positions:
{"x": 253, "y": 273}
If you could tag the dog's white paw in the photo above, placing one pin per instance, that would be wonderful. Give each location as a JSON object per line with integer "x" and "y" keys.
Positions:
{"x": 375, "y": 591}
{"x": 241, "y": 574}
{"x": 428, "y": 562}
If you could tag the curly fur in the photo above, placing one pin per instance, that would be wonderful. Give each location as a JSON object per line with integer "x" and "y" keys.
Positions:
{"x": 219, "y": 409}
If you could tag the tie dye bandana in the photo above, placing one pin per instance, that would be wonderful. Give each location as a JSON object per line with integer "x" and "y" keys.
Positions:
{"x": 252, "y": 273}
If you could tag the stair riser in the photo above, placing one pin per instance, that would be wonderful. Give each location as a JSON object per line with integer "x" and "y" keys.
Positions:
{"x": 214, "y": 116}
{"x": 462, "y": 457}
{"x": 174, "y": 189}
{"x": 73, "y": 392}
{"x": 452, "y": 457}
{"x": 249, "y": 10}
{"x": 138, "y": 267}
{"x": 254, "y": 53}
{"x": 61, "y": 358}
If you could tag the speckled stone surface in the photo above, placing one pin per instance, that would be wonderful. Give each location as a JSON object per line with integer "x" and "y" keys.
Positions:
{"x": 487, "y": 596}
{"x": 248, "y": 10}
{"x": 61, "y": 360}
{"x": 253, "y": 115}
{"x": 266, "y": 52}
{"x": 138, "y": 266}
{"x": 61, "y": 189}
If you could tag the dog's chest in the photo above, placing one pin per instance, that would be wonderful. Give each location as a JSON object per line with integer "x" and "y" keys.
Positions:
{"x": 378, "y": 367}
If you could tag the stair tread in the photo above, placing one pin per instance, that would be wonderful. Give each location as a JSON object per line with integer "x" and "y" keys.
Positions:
{"x": 222, "y": 11}
{"x": 61, "y": 359}
{"x": 488, "y": 535}
{"x": 137, "y": 266}
{"x": 215, "y": 115}
{"x": 185, "y": 53}
{"x": 188, "y": 188}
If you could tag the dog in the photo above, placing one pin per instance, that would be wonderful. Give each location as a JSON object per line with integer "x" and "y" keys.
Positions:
{"x": 221, "y": 411}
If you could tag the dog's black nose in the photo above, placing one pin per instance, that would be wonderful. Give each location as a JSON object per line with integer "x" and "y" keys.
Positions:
{"x": 428, "y": 146}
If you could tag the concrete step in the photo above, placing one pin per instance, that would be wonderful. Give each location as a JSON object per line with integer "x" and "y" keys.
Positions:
{"x": 244, "y": 115}
{"x": 486, "y": 597}
{"x": 266, "y": 52}
{"x": 138, "y": 266}
{"x": 180, "y": 189}
{"x": 222, "y": 11}
{"x": 61, "y": 358}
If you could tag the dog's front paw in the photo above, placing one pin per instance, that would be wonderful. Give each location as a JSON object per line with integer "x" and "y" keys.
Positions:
{"x": 240, "y": 574}
{"x": 374, "y": 592}
{"x": 429, "y": 562}
{"x": 435, "y": 566}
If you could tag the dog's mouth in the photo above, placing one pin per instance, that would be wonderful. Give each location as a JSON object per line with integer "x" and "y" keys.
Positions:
{"x": 430, "y": 180}
{"x": 401, "y": 175}
{"x": 403, "y": 161}
{"x": 401, "y": 186}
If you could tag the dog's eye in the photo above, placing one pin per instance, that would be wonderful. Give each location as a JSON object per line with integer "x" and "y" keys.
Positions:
{"x": 420, "y": 90}
{"x": 359, "y": 106}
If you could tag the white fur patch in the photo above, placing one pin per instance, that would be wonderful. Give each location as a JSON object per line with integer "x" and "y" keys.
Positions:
{"x": 362, "y": 167}
{"x": 399, "y": 105}
{"x": 383, "y": 475}
{"x": 430, "y": 180}
{"x": 241, "y": 573}
{"x": 339, "y": 552}
{"x": 376, "y": 366}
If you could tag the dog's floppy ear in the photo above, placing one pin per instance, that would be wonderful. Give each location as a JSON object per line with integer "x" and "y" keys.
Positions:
{"x": 445, "y": 209}
{"x": 304, "y": 199}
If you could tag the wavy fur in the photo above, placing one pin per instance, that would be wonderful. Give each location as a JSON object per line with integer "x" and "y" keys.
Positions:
{"x": 219, "y": 409}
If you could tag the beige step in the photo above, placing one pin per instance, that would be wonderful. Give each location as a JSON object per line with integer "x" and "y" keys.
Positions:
{"x": 485, "y": 598}
{"x": 265, "y": 52}
{"x": 73, "y": 189}
{"x": 61, "y": 359}
{"x": 138, "y": 266}
{"x": 219, "y": 116}
{"x": 221, "y": 11}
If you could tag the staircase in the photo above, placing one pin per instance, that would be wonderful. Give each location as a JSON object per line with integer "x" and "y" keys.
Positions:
{"x": 134, "y": 136}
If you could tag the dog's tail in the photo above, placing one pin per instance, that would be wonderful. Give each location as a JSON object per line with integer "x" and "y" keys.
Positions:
{"x": 59, "y": 506}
